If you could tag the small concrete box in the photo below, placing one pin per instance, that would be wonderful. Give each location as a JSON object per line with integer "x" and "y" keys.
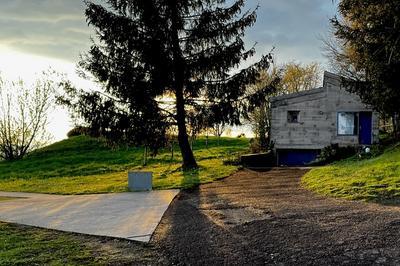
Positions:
{"x": 140, "y": 181}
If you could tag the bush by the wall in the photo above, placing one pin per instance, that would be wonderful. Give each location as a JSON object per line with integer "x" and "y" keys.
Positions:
{"x": 333, "y": 153}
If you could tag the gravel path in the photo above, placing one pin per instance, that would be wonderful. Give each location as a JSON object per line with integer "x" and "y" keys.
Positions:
{"x": 267, "y": 218}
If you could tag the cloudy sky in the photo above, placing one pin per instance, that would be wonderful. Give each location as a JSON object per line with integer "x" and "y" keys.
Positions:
{"x": 35, "y": 34}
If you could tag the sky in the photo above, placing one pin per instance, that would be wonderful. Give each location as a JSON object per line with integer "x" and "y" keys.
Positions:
{"x": 38, "y": 34}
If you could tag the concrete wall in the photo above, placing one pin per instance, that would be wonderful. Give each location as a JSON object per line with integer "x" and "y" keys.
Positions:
{"x": 317, "y": 127}
{"x": 339, "y": 100}
{"x": 311, "y": 131}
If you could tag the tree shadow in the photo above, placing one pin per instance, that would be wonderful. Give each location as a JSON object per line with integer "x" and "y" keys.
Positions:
{"x": 191, "y": 178}
{"x": 187, "y": 236}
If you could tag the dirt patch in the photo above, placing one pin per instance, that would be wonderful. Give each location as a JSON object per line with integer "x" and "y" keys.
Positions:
{"x": 267, "y": 218}
{"x": 236, "y": 216}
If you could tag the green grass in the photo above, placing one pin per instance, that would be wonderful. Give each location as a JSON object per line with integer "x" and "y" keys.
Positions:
{"x": 376, "y": 179}
{"x": 5, "y": 198}
{"x": 84, "y": 165}
{"x": 23, "y": 245}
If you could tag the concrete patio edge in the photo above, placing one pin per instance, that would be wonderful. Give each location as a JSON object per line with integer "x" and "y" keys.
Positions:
{"x": 131, "y": 215}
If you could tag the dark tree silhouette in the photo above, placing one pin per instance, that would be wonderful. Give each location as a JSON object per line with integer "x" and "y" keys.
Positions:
{"x": 367, "y": 51}
{"x": 183, "y": 49}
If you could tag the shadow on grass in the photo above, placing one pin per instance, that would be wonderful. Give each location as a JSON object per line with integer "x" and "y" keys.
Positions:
{"x": 191, "y": 178}
{"x": 383, "y": 197}
{"x": 8, "y": 198}
{"x": 170, "y": 169}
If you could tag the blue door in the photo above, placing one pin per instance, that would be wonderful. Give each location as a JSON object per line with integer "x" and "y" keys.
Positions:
{"x": 296, "y": 157}
{"x": 365, "y": 136}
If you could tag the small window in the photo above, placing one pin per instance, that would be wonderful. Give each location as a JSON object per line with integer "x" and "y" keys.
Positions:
{"x": 347, "y": 124}
{"x": 293, "y": 116}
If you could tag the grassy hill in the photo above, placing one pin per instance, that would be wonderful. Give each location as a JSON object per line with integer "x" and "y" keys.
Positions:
{"x": 82, "y": 165}
{"x": 376, "y": 179}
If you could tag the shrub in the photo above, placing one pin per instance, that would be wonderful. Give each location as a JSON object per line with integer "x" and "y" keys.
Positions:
{"x": 232, "y": 159}
{"x": 255, "y": 146}
{"x": 374, "y": 151}
{"x": 333, "y": 153}
{"x": 242, "y": 135}
{"x": 78, "y": 131}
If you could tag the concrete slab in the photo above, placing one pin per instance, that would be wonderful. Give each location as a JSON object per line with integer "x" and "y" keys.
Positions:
{"x": 132, "y": 216}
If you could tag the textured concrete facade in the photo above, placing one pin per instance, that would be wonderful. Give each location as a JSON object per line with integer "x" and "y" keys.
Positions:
{"x": 318, "y": 117}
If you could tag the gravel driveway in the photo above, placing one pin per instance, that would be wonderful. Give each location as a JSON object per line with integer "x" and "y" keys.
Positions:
{"x": 267, "y": 218}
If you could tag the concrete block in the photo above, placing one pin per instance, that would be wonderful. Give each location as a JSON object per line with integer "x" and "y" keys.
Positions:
{"x": 140, "y": 181}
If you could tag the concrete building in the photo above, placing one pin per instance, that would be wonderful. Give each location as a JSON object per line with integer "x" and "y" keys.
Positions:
{"x": 303, "y": 123}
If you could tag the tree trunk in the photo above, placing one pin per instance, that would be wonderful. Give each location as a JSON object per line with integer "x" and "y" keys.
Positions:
{"x": 183, "y": 138}
{"x": 396, "y": 125}
{"x": 189, "y": 161}
{"x": 145, "y": 156}
{"x": 172, "y": 150}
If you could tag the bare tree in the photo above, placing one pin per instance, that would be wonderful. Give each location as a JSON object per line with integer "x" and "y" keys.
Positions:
{"x": 298, "y": 77}
{"x": 290, "y": 78}
{"x": 218, "y": 129}
{"x": 24, "y": 116}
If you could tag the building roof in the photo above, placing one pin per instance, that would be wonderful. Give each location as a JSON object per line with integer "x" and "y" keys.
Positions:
{"x": 327, "y": 76}
{"x": 297, "y": 94}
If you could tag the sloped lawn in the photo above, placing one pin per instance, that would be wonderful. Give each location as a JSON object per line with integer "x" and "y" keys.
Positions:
{"x": 376, "y": 179}
{"x": 84, "y": 165}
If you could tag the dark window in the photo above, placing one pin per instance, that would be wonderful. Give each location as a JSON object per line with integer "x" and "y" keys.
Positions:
{"x": 293, "y": 116}
{"x": 347, "y": 124}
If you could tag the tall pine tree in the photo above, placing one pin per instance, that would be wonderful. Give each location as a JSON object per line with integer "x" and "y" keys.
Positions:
{"x": 368, "y": 52}
{"x": 187, "y": 50}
